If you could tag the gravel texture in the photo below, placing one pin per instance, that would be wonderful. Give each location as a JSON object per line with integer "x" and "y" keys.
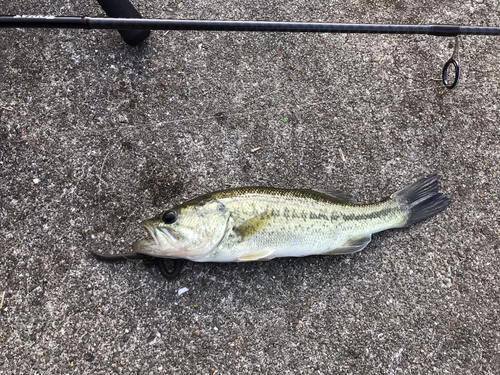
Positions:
{"x": 96, "y": 135}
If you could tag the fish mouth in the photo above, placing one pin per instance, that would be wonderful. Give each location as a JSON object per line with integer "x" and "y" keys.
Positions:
{"x": 159, "y": 244}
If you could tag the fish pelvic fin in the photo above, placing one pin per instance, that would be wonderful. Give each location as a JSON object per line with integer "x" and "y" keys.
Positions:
{"x": 253, "y": 225}
{"x": 352, "y": 245}
{"x": 422, "y": 199}
{"x": 253, "y": 257}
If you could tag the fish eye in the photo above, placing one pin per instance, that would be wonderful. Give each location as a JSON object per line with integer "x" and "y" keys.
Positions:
{"x": 169, "y": 217}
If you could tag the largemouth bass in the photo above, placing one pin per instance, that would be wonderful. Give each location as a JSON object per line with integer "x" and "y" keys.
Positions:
{"x": 258, "y": 223}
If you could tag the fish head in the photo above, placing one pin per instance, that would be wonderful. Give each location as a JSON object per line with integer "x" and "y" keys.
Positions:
{"x": 189, "y": 231}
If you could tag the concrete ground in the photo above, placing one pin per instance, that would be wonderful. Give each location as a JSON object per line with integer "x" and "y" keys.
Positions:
{"x": 96, "y": 136}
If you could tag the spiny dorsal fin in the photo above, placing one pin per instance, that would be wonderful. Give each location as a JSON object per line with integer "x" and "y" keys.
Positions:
{"x": 254, "y": 225}
{"x": 336, "y": 196}
{"x": 352, "y": 245}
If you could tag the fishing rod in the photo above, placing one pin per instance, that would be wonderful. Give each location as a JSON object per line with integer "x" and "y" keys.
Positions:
{"x": 134, "y": 29}
{"x": 28, "y": 21}
{"x": 145, "y": 25}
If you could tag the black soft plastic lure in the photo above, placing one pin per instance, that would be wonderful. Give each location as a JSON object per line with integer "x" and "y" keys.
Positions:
{"x": 169, "y": 268}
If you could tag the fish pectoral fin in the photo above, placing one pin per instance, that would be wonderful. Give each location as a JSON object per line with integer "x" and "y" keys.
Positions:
{"x": 352, "y": 245}
{"x": 253, "y": 226}
{"x": 258, "y": 255}
{"x": 336, "y": 196}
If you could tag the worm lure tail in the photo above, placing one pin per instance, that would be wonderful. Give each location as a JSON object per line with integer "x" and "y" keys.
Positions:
{"x": 169, "y": 268}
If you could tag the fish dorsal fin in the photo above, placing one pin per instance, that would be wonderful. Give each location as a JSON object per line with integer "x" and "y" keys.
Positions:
{"x": 336, "y": 196}
{"x": 352, "y": 245}
{"x": 253, "y": 225}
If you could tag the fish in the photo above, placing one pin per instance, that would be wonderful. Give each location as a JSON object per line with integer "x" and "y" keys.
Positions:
{"x": 260, "y": 223}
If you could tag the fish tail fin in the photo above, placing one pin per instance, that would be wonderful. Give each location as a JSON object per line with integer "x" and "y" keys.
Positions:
{"x": 422, "y": 199}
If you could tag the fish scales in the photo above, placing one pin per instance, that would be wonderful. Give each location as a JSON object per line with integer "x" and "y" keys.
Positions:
{"x": 258, "y": 223}
{"x": 312, "y": 225}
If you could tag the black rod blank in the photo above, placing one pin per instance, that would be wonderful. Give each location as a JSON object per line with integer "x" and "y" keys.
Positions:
{"x": 164, "y": 24}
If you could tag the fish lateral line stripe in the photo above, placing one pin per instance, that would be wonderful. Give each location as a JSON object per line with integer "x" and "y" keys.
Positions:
{"x": 320, "y": 216}
{"x": 368, "y": 216}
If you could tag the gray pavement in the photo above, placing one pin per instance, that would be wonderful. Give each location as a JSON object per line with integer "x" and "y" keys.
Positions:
{"x": 96, "y": 136}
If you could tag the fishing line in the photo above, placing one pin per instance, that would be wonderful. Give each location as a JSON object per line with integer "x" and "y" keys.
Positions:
{"x": 277, "y": 109}
{"x": 134, "y": 29}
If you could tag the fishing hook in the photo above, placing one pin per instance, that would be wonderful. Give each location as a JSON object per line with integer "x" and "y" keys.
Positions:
{"x": 169, "y": 268}
{"x": 455, "y": 62}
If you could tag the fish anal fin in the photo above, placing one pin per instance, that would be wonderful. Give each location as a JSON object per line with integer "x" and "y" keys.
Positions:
{"x": 254, "y": 225}
{"x": 336, "y": 196}
{"x": 258, "y": 255}
{"x": 352, "y": 245}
